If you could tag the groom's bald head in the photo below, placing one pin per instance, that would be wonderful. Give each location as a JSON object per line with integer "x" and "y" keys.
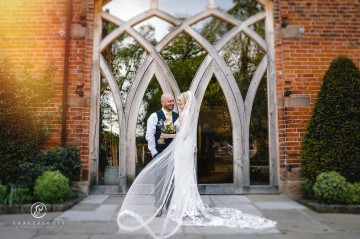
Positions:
{"x": 167, "y": 101}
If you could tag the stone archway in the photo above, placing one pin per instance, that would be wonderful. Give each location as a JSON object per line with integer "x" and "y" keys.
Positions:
{"x": 240, "y": 107}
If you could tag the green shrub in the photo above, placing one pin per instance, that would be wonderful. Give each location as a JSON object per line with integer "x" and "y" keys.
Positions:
{"x": 29, "y": 172}
{"x": 51, "y": 187}
{"x": 18, "y": 195}
{"x": 23, "y": 132}
{"x": 2, "y": 194}
{"x": 332, "y": 139}
{"x": 354, "y": 193}
{"x": 332, "y": 188}
{"x": 65, "y": 159}
{"x": 307, "y": 189}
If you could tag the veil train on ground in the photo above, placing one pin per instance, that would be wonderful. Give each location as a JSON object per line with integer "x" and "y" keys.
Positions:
{"x": 172, "y": 176}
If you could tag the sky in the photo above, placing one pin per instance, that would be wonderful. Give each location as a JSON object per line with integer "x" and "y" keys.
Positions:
{"x": 126, "y": 9}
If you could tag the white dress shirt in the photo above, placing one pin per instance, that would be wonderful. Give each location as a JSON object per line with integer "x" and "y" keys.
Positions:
{"x": 151, "y": 129}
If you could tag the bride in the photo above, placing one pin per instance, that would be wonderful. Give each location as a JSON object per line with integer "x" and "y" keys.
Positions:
{"x": 180, "y": 198}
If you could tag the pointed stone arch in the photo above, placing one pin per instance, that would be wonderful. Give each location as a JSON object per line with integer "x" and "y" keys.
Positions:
{"x": 240, "y": 106}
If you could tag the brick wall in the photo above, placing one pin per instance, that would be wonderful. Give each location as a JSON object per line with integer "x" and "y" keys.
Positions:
{"x": 33, "y": 32}
{"x": 316, "y": 33}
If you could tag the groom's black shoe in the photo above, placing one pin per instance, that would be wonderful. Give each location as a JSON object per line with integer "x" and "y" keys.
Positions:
{"x": 158, "y": 212}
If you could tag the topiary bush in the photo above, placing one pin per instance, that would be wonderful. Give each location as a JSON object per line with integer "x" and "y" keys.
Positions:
{"x": 332, "y": 139}
{"x": 332, "y": 188}
{"x": 51, "y": 187}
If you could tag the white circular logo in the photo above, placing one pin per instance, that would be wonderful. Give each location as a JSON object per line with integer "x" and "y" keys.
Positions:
{"x": 38, "y": 210}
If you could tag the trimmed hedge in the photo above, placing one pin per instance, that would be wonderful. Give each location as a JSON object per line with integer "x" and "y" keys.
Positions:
{"x": 332, "y": 140}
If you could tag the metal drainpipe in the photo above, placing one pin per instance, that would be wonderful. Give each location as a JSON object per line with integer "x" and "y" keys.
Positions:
{"x": 66, "y": 72}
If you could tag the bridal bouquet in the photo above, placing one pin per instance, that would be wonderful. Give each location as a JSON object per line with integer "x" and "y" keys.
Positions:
{"x": 167, "y": 127}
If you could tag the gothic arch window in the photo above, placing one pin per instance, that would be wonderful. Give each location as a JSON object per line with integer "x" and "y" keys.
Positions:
{"x": 216, "y": 51}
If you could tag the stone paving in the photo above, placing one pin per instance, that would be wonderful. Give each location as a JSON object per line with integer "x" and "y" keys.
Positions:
{"x": 94, "y": 218}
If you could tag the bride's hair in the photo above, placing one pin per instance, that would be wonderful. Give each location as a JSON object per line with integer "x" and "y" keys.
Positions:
{"x": 184, "y": 97}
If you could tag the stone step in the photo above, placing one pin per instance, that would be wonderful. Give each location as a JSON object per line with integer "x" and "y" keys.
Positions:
{"x": 106, "y": 189}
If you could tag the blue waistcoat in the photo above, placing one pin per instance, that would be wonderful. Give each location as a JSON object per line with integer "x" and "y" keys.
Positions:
{"x": 161, "y": 116}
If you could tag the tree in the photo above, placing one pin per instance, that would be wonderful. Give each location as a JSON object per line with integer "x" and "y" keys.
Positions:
{"x": 332, "y": 138}
{"x": 24, "y": 126}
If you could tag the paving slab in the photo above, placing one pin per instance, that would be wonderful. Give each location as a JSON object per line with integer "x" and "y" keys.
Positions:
{"x": 95, "y": 199}
{"x": 95, "y": 227}
{"x": 229, "y": 199}
{"x": 85, "y": 207}
{"x": 269, "y": 198}
{"x": 9, "y": 232}
{"x": 114, "y": 199}
{"x": 318, "y": 236}
{"x": 86, "y": 216}
{"x": 279, "y": 205}
{"x": 95, "y": 218}
{"x": 62, "y": 236}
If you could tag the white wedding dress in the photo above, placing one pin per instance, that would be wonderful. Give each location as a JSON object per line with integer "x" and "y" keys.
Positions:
{"x": 173, "y": 174}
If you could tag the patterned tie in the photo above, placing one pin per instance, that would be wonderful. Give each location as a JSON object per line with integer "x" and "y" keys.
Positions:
{"x": 168, "y": 115}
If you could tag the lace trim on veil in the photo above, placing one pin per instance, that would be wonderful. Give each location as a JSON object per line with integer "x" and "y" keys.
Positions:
{"x": 169, "y": 183}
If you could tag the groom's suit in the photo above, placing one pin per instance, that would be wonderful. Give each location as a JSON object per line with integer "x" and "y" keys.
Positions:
{"x": 153, "y": 133}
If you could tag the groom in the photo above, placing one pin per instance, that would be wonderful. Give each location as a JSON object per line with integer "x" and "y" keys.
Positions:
{"x": 153, "y": 133}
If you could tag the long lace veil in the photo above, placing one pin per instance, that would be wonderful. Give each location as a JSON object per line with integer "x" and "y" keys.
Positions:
{"x": 171, "y": 177}
{"x": 138, "y": 211}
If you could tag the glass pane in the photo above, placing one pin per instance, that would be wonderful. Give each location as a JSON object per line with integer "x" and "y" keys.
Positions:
{"x": 150, "y": 103}
{"x": 215, "y": 154}
{"x": 124, "y": 57}
{"x": 259, "y": 138}
{"x": 109, "y": 133}
{"x": 183, "y": 56}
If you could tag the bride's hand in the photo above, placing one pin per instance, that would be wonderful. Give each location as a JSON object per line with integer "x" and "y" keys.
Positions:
{"x": 195, "y": 150}
{"x": 167, "y": 136}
